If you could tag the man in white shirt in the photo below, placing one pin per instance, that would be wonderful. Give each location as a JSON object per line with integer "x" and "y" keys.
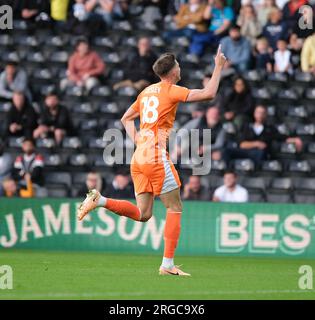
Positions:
{"x": 230, "y": 191}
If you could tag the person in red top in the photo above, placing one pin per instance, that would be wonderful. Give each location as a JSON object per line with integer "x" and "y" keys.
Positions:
{"x": 152, "y": 171}
{"x": 84, "y": 67}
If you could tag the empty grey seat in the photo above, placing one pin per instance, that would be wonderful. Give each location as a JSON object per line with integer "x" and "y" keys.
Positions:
{"x": 58, "y": 178}
{"x": 256, "y": 196}
{"x": 276, "y": 197}
{"x": 257, "y": 183}
{"x": 304, "y": 197}
{"x": 284, "y": 184}
{"x": 57, "y": 192}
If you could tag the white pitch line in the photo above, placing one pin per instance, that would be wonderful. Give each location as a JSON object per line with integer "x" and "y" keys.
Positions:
{"x": 145, "y": 293}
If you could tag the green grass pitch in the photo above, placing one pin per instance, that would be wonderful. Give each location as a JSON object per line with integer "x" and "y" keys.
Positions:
{"x": 82, "y": 275}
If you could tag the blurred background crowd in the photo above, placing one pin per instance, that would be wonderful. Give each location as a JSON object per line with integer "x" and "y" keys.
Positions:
{"x": 69, "y": 69}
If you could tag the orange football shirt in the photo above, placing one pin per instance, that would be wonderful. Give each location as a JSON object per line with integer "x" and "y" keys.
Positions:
{"x": 157, "y": 106}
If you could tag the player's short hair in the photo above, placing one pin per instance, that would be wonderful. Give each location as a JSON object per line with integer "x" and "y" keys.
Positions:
{"x": 164, "y": 64}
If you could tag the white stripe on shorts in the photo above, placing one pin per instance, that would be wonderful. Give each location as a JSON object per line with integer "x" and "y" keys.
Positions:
{"x": 169, "y": 183}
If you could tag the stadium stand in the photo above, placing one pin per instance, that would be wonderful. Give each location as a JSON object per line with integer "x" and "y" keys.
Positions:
{"x": 43, "y": 50}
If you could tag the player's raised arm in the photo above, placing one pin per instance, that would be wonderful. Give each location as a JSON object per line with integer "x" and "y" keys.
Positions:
{"x": 128, "y": 122}
{"x": 211, "y": 88}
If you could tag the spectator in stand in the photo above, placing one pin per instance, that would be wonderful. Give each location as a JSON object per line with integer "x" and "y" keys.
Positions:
{"x": 11, "y": 189}
{"x": 249, "y": 24}
{"x": 83, "y": 20}
{"x": 282, "y": 56}
{"x": 193, "y": 190}
{"x": 291, "y": 13}
{"x": 36, "y": 13}
{"x": 5, "y": 163}
{"x": 238, "y": 104}
{"x": 263, "y": 10}
{"x": 263, "y": 58}
{"x": 308, "y": 54}
{"x": 93, "y": 181}
{"x": 13, "y": 79}
{"x": 275, "y": 29}
{"x": 59, "y": 11}
{"x": 153, "y": 9}
{"x": 231, "y": 191}
{"x": 254, "y": 140}
{"x": 237, "y": 49}
{"x": 211, "y": 120}
{"x": 220, "y": 18}
{"x": 121, "y": 187}
{"x": 109, "y": 10}
{"x": 189, "y": 20}
{"x": 295, "y": 46}
{"x": 55, "y": 120}
{"x": 28, "y": 167}
{"x": 84, "y": 68}
{"x": 143, "y": 75}
{"x": 21, "y": 119}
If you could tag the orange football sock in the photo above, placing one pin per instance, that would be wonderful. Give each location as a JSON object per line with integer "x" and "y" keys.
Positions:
{"x": 171, "y": 233}
{"x": 123, "y": 208}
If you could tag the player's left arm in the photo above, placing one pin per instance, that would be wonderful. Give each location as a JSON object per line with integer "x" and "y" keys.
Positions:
{"x": 128, "y": 121}
{"x": 211, "y": 88}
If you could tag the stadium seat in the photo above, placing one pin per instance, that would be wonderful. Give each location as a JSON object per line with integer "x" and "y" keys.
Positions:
{"x": 71, "y": 143}
{"x": 58, "y": 178}
{"x": 57, "y": 192}
{"x": 304, "y": 197}
{"x": 244, "y": 166}
{"x": 6, "y": 40}
{"x": 305, "y": 129}
{"x": 262, "y": 93}
{"x": 15, "y": 142}
{"x": 284, "y": 184}
{"x": 78, "y": 160}
{"x": 85, "y": 108}
{"x": 256, "y": 196}
{"x": 288, "y": 94}
{"x": 53, "y": 160}
{"x": 288, "y": 148}
{"x": 97, "y": 143}
{"x": 79, "y": 178}
{"x": 218, "y": 165}
{"x": 101, "y": 91}
{"x": 300, "y": 167}
{"x": 255, "y": 183}
{"x": 46, "y": 143}
{"x": 297, "y": 111}
{"x": 254, "y": 75}
{"x": 305, "y": 77}
{"x": 276, "y": 197}
{"x": 310, "y": 93}
{"x": 127, "y": 91}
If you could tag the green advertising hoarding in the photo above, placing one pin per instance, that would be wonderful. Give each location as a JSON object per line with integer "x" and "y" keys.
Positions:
{"x": 282, "y": 230}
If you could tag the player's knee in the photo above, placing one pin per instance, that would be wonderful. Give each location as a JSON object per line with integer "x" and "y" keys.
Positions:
{"x": 146, "y": 215}
{"x": 176, "y": 207}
